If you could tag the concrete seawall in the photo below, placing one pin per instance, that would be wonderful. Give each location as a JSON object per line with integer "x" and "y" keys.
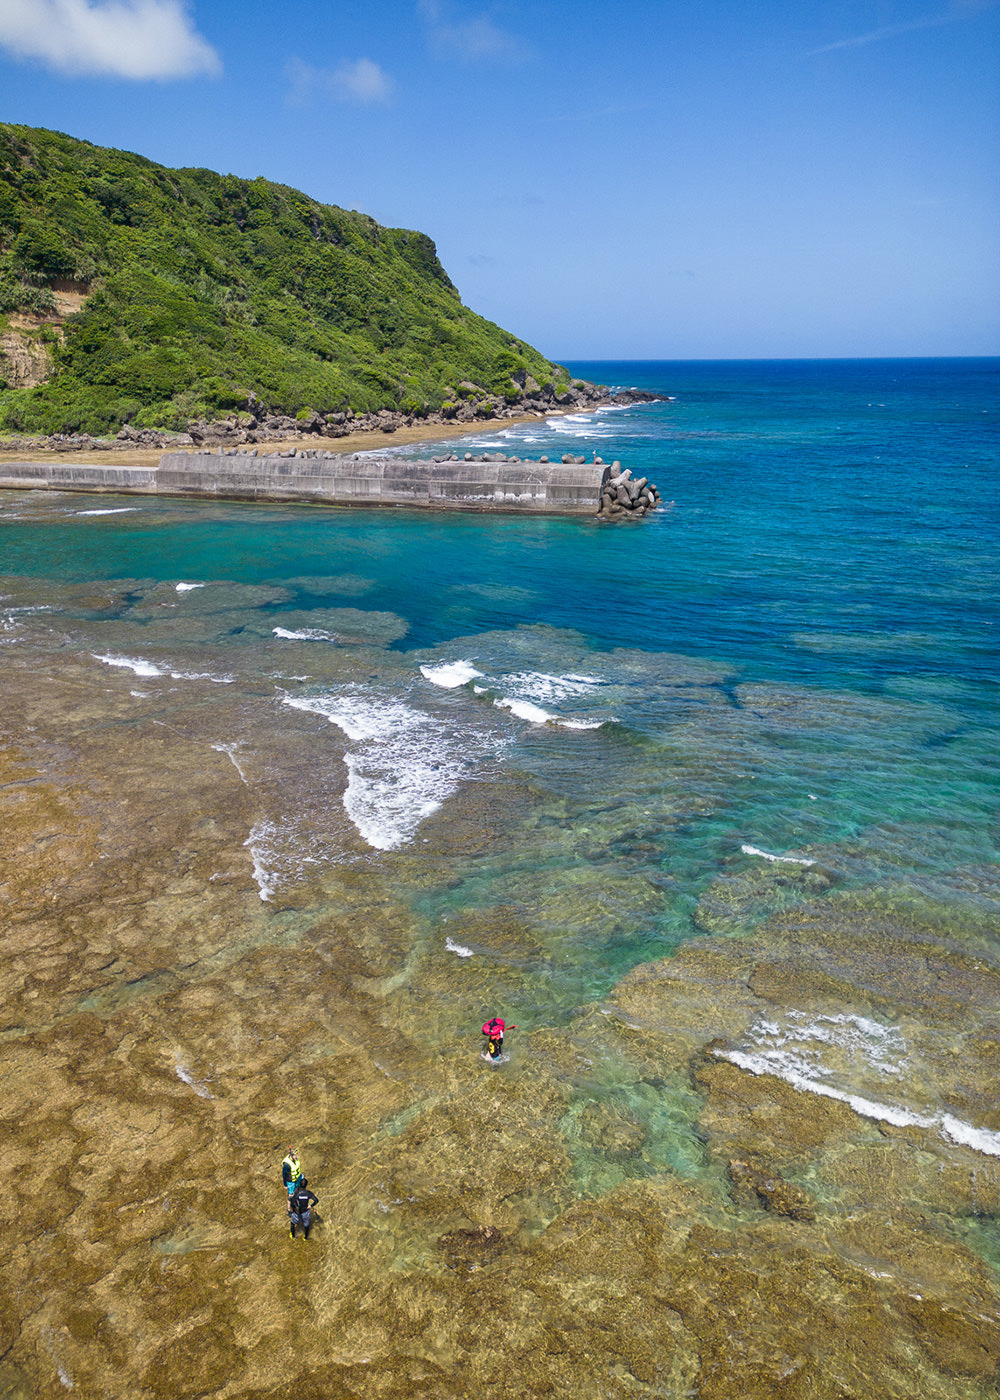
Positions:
{"x": 512, "y": 486}
{"x": 70, "y": 476}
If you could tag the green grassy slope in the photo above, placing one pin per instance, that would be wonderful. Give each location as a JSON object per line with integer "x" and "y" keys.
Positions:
{"x": 205, "y": 287}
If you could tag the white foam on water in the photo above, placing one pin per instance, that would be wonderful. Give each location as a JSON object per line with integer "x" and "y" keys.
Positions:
{"x": 528, "y": 692}
{"x": 525, "y": 710}
{"x": 141, "y": 667}
{"x": 450, "y": 674}
{"x": 979, "y": 1139}
{"x": 549, "y": 689}
{"x": 359, "y": 715}
{"x": 804, "y": 1037}
{"x": 114, "y": 510}
{"x": 136, "y": 664}
{"x": 305, "y": 634}
{"x": 259, "y": 845}
{"x": 614, "y": 408}
{"x": 404, "y": 765}
{"x": 453, "y": 947}
{"x": 392, "y": 790}
{"x": 800, "y": 1054}
{"x": 766, "y": 855}
{"x": 565, "y": 428}
{"x": 230, "y": 751}
{"x": 202, "y": 676}
{"x": 187, "y": 587}
{"x": 188, "y": 1078}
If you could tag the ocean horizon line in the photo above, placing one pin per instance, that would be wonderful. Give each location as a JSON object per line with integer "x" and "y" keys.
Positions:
{"x": 773, "y": 359}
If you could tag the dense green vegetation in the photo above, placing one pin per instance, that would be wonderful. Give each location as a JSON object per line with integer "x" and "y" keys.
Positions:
{"x": 204, "y": 287}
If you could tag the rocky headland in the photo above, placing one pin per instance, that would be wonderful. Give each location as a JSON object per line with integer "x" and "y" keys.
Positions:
{"x": 256, "y": 424}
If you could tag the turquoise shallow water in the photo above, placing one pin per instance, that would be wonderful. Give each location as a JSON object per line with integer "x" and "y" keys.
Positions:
{"x": 795, "y": 659}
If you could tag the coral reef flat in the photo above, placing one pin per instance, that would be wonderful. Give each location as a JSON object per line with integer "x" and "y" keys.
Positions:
{"x": 626, "y": 1212}
{"x": 622, "y": 1210}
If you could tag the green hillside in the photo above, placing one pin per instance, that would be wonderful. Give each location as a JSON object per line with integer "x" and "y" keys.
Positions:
{"x": 202, "y": 288}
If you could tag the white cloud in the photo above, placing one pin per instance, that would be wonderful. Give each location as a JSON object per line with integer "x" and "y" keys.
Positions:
{"x": 357, "y": 81}
{"x": 453, "y": 36}
{"x": 137, "y": 39}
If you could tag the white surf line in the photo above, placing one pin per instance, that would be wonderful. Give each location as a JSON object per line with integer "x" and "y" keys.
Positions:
{"x": 187, "y": 587}
{"x": 262, "y": 876}
{"x": 304, "y": 634}
{"x": 230, "y": 751}
{"x": 141, "y": 667}
{"x": 534, "y": 714}
{"x": 979, "y": 1139}
{"x": 116, "y": 510}
{"x": 138, "y": 666}
{"x": 453, "y": 947}
{"x": 528, "y": 687}
{"x": 524, "y": 709}
{"x": 450, "y": 674}
{"x": 404, "y": 765}
{"x": 766, "y": 855}
{"x": 202, "y": 676}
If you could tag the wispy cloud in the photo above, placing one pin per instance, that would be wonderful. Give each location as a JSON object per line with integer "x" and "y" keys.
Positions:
{"x": 136, "y": 39}
{"x": 612, "y": 109}
{"x": 455, "y": 35}
{"x": 958, "y": 10}
{"x": 358, "y": 81}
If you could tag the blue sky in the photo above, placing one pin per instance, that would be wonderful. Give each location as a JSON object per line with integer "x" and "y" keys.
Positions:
{"x": 644, "y": 179}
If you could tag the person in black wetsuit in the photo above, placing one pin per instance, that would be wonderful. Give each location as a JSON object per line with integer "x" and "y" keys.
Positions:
{"x": 300, "y": 1204}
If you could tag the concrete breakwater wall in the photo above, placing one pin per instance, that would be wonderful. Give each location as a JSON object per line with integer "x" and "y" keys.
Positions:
{"x": 70, "y": 476}
{"x": 441, "y": 484}
{"x": 444, "y": 483}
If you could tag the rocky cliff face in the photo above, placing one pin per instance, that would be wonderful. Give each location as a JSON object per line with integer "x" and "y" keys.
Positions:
{"x": 24, "y": 359}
